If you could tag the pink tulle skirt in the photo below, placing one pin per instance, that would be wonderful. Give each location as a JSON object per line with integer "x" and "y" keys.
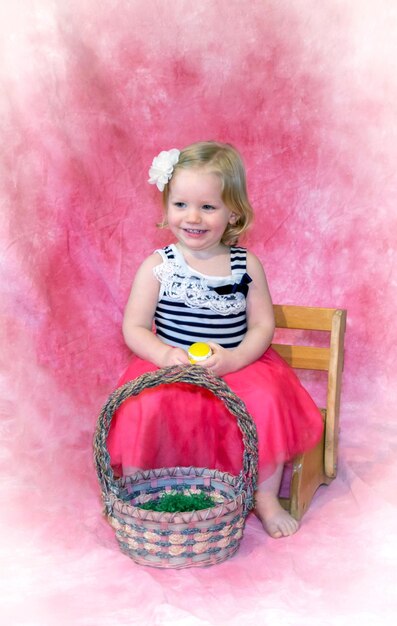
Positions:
{"x": 183, "y": 425}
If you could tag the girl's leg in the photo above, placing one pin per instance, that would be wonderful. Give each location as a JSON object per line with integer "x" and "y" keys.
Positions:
{"x": 276, "y": 521}
{"x": 128, "y": 470}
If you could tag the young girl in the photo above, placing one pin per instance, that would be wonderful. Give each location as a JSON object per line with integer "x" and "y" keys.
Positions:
{"x": 205, "y": 288}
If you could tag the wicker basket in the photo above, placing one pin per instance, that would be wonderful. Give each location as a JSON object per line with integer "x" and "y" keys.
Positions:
{"x": 177, "y": 540}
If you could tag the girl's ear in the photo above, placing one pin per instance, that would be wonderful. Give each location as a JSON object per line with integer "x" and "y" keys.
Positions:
{"x": 233, "y": 218}
{"x": 164, "y": 221}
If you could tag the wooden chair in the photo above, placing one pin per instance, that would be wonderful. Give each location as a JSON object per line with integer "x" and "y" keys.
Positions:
{"x": 318, "y": 466}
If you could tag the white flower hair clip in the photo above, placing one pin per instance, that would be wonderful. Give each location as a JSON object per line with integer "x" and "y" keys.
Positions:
{"x": 162, "y": 167}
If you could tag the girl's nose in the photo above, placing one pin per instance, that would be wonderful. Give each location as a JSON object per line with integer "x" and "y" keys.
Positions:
{"x": 193, "y": 215}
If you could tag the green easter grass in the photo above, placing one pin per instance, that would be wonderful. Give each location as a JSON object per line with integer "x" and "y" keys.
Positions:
{"x": 179, "y": 502}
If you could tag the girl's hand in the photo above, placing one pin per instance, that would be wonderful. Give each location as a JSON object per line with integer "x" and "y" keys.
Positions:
{"x": 174, "y": 356}
{"x": 221, "y": 361}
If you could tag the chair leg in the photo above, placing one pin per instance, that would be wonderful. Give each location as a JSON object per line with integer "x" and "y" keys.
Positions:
{"x": 307, "y": 476}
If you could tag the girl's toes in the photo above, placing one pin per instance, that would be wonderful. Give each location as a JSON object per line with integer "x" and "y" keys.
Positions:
{"x": 274, "y": 531}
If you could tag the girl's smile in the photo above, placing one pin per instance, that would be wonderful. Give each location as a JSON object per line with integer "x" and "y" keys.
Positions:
{"x": 194, "y": 232}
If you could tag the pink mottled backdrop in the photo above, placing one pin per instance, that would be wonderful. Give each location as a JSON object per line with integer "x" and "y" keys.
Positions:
{"x": 90, "y": 92}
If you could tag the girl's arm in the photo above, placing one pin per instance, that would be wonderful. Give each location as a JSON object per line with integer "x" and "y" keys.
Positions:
{"x": 138, "y": 319}
{"x": 260, "y": 322}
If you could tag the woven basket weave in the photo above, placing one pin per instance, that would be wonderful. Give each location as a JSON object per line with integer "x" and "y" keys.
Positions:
{"x": 177, "y": 540}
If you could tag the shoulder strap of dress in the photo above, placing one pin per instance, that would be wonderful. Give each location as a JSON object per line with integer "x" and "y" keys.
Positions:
{"x": 166, "y": 252}
{"x": 169, "y": 252}
{"x": 238, "y": 259}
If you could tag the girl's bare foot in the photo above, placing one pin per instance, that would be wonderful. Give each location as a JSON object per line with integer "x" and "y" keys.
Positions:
{"x": 276, "y": 521}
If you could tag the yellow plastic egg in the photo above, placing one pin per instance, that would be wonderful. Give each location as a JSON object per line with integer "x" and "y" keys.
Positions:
{"x": 199, "y": 352}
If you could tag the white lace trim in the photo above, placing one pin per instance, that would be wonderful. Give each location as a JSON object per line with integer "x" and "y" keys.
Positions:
{"x": 194, "y": 291}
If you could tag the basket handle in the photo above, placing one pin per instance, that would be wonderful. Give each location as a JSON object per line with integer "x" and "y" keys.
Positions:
{"x": 195, "y": 375}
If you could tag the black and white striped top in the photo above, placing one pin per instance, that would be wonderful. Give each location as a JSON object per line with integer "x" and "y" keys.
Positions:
{"x": 195, "y": 307}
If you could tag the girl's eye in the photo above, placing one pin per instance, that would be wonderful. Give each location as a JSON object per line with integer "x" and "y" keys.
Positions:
{"x": 179, "y": 205}
{"x": 208, "y": 207}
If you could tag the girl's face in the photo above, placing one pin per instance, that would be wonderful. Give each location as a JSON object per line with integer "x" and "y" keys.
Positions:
{"x": 196, "y": 213}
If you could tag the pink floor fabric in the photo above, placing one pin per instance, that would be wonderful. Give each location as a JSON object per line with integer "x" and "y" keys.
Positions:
{"x": 90, "y": 92}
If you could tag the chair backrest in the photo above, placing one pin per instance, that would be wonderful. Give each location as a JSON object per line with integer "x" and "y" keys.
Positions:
{"x": 330, "y": 359}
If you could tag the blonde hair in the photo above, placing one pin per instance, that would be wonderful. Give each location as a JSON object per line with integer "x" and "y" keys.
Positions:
{"x": 224, "y": 161}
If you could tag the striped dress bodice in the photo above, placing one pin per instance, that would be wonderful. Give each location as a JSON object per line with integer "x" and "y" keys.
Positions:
{"x": 195, "y": 307}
